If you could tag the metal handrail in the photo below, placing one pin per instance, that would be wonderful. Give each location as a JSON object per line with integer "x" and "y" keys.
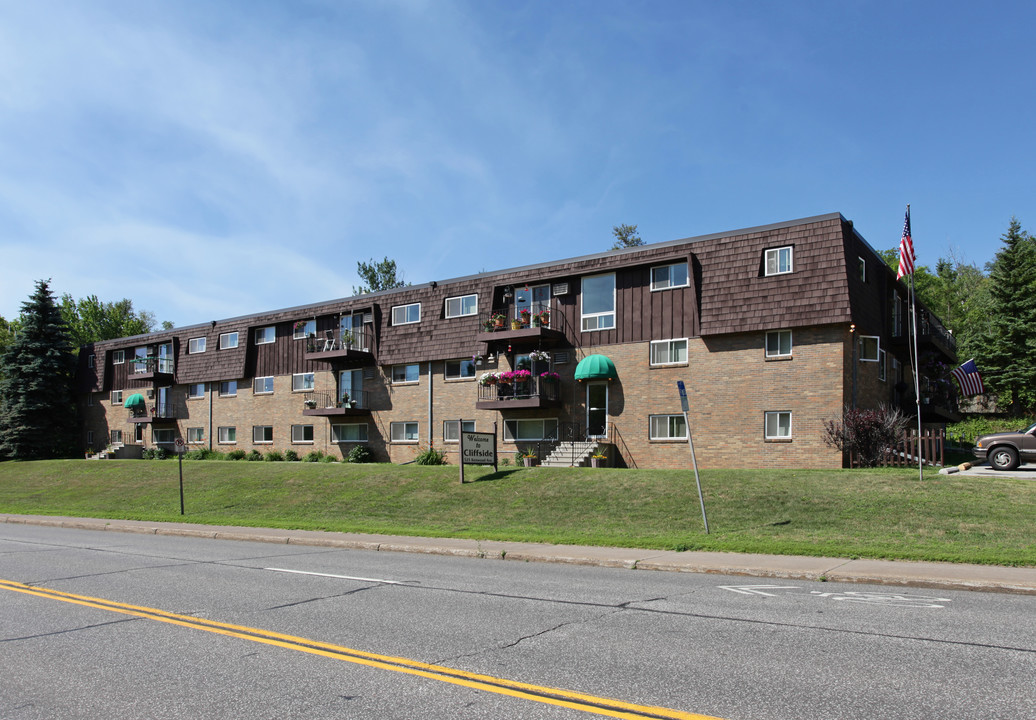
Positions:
{"x": 534, "y": 387}
{"x": 323, "y": 400}
{"x": 355, "y": 339}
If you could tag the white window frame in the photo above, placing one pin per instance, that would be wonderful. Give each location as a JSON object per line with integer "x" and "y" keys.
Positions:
{"x": 116, "y": 436}
{"x": 227, "y": 435}
{"x": 118, "y": 357}
{"x": 670, "y": 346}
{"x": 402, "y": 315}
{"x": 196, "y": 346}
{"x": 255, "y": 385}
{"x": 299, "y": 382}
{"x": 91, "y": 361}
{"x": 163, "y": 432}
{"x": 772, "y": 420}
{"x": 90, "y": 400}
{"x": 458, "y": 303}
{"x": 406, "y": 379}
{"x": 655, "y": 422}
{"x": 451, "y": 429}
{"x": 509, "y": 435}
{"x": 866, "y": 356}
{"x": 863, "y": 269}
{"x": 309, "y": 326}
{"x": 261, "y": 429}
{"x": 399, "y": 432}
{"x": 192, "y": 393}
{"x": 657, "y": 285}
{"x": 336, "y": 433}
{"x": 195, "y": 435}
{"x": 116, "y": 397}
{"x": 298, "y": 434}
{"x": 778, "y": 335}
{"x": 228, "y": 341}
{"x": 459, "y": 366}
{"x": 226, "y": 383}
{"x": 266, "y": 335}
{"x": 776, "y": 254}
{"x": 593, "y": 322}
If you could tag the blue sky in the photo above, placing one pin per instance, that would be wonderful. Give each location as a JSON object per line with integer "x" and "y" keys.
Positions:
{"x": 212, "y": 159}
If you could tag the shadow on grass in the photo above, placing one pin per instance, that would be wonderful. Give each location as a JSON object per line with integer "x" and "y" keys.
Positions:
{"x": 498, "y": 475}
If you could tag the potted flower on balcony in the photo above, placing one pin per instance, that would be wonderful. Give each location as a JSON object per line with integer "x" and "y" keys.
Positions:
{"x": 542, "y": 318}
{"x": 347, "y": 339}
{"x": 550, "y": 377}
{"x": 309, "y": 404}
{"x": 488, "y": 378}
{"x": 477, "y": 359}
{"x": 525, "y": 316}
{"x": 499, "y": 319}
{"x": 598, "y": 459}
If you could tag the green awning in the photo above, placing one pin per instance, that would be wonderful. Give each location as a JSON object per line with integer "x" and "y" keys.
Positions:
{"x": 134, "y": 400}
{"x": 596, "y": 367}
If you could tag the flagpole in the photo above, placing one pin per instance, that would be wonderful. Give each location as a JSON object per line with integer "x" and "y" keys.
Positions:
{"x": 916, "y": 369}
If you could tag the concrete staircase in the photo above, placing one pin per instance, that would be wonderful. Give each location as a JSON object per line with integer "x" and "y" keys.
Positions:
{"x": 571, "y": 454}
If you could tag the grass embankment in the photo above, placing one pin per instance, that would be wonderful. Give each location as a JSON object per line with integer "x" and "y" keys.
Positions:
{"x": 883, "y": 513}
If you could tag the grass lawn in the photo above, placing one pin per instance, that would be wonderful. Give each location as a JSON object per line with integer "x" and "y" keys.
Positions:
{"x": 882, "y": 513}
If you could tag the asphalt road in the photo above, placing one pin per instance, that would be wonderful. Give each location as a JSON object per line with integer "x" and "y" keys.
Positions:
{"x": 146, "y": 633}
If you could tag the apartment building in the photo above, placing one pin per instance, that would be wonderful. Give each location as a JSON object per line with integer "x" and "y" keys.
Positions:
{"x": 773, "y": 330}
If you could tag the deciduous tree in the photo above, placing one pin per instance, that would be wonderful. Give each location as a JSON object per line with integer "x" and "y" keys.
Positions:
{"x": 378, "y": 276}
{"x": 91, "y": 319}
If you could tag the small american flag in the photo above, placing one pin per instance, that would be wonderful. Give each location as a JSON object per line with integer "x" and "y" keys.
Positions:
{"x": 969, "y": 378}
{"x": 906, "y": 249}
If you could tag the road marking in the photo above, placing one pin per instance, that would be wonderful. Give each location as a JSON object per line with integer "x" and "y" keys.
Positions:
{"x": 757, "y": 589}
{"x": 341, "y": 577}
{"x": 537, "y": 693}
{"x": 879, "y": 598}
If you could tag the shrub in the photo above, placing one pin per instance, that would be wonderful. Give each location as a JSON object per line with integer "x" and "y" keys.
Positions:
{"x": 202, "y": 454}
{"x": 291, "y": 456}
{"x": 254, "y": 455}
{"x": 361, "y": 454}
{"x": 274, "y": 456}
{"x": 867, "y": 435}
{"x": 967, "y": 431}
{"x": 431, "y": 456}
{"x": 313, "y": 456}
{"x": 236, "y": 455}
{"x": 155, "y": 453}
{"x": 328, "y": 459}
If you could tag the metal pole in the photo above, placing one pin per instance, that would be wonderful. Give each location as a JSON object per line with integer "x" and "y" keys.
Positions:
{"x": 180, "y": 458}
{"x": 697, "y": 479}
{"x": 917, "y": 378}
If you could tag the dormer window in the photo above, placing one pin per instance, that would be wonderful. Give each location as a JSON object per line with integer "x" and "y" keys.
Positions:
{"x": 778, "y": 261}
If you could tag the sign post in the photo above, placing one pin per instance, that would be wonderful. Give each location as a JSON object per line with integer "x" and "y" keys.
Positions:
{"x": 477, "y": 448}
{"x": 686, "y": 423}
{"x": 180, "y": 448}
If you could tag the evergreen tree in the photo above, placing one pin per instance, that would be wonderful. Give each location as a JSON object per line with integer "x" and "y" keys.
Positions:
{"x": 37, "y": 412}
{"x": 1008, "y": 353}
{"x": 626, "y": 236}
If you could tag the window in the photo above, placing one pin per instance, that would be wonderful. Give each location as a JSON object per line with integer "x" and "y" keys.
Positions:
{"x": 461, "y": 306}
{"x": 667, "y": 427}
{"x": 863, "y": 268}
{"x": 403, "y": 432}
{"x": 116, "y": 397}
{"x": 228, "y": 388}
{"x": 228, "y": 341}
{"x": 90, "y": 400}
{"x": 668, "y": 352}
{"x": 165, "y": 358}
{"x": 451, "y": 429}
{"x": 90, "y": 438}
{"x": 881, "y": 366}
{"x": 598, "y": 302}
{"x": 302, "y": 433}
{"x": 118, "y": 357}
{"x": 870, "y": 347}
{"x": 459, "y": 369}
{"x": 265, "y": 335}
{"x": 406, "y": 314}
{"x": 778, "y": 261}
{"x": 262, "y": 434}
{"x": 227, "y": 435}
{"x": 897, "y": 315}
{"x": 163, "y": 435}
{"x": 669, "y": 276}
{"x": 778, "y": 426}
{"x": 195, "y": 435}
{"x": 354, "y": 432}
{"x": 195, "y": 391}
{"x": 301, "y": 382}
{"x": 262, "y": 386}
{"x": 304, "y": 328}
{"x": 116, "y": 437}
{"x": 531, "y": 429}
{"x": 778, "y": 344}
{"x": 90, "y": 359}
{"x": 195, "y": 346}
{"x": 406, "y": 373}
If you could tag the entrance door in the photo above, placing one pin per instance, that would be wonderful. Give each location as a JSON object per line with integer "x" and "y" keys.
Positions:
{"x": 353, "y": 324}
{"x": 351, "y": 384}
{"x": 536, "y": 299}
{"x": 165, "y": 358}
{"x": 597, "y": 409}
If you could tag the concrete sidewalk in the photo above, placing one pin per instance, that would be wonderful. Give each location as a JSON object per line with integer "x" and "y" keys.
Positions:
{"x": 989, "y": 578}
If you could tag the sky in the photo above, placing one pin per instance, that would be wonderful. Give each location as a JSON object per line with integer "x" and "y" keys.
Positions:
{"x": 209, "y": 159}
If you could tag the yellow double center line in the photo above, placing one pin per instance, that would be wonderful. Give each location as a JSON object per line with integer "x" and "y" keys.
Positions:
{"x": 501, "y": 686}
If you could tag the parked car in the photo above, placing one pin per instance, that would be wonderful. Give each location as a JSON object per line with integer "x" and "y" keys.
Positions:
{"x": 1005, "y": 450}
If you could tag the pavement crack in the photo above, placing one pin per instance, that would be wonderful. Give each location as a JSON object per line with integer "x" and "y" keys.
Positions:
{"x": 70, "y": 630}
{"x": 318, "y": 599}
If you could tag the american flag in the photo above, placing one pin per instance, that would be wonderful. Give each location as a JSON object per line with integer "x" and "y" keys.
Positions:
{"x": 969, "y": 378}
{"x": 906, "y": 249}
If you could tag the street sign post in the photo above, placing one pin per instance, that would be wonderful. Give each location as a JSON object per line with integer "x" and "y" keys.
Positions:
{"x": 685, "y": 406}
{"x": 477, "y": 448}
{"x": 180, "y": 448}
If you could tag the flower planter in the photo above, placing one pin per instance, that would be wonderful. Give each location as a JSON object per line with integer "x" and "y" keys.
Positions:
{"x": 597, "y": 462}
{"x": 516, "y": 324}
{"x": 528, "y": 461}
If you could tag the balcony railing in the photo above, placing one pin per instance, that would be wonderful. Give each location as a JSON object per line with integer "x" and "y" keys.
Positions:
{"x": 152, "y": 411}
{"x": 358, "y": 339}
{"x": 928, "y": 324}
{"x": 507, "y": 319}
{"x": 151, "y": 365}
{"x": 357, "y": 400}
{"x": 533, "y": 388}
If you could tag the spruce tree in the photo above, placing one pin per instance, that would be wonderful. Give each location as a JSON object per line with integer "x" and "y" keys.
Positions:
{"x": 37, "y": 412}
{"x": 1008, "y": 358}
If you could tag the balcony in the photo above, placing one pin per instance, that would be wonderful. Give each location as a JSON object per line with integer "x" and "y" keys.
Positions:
{"x": 327, "y": 404}
{"x": 536, "y": 327}
{"x": 536, "y": 392}
{"x": 151, "y": 413}
{"x": 343, "y": 348}
{"x": 154, "y": 369}
{"x": 931, "y": 333}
